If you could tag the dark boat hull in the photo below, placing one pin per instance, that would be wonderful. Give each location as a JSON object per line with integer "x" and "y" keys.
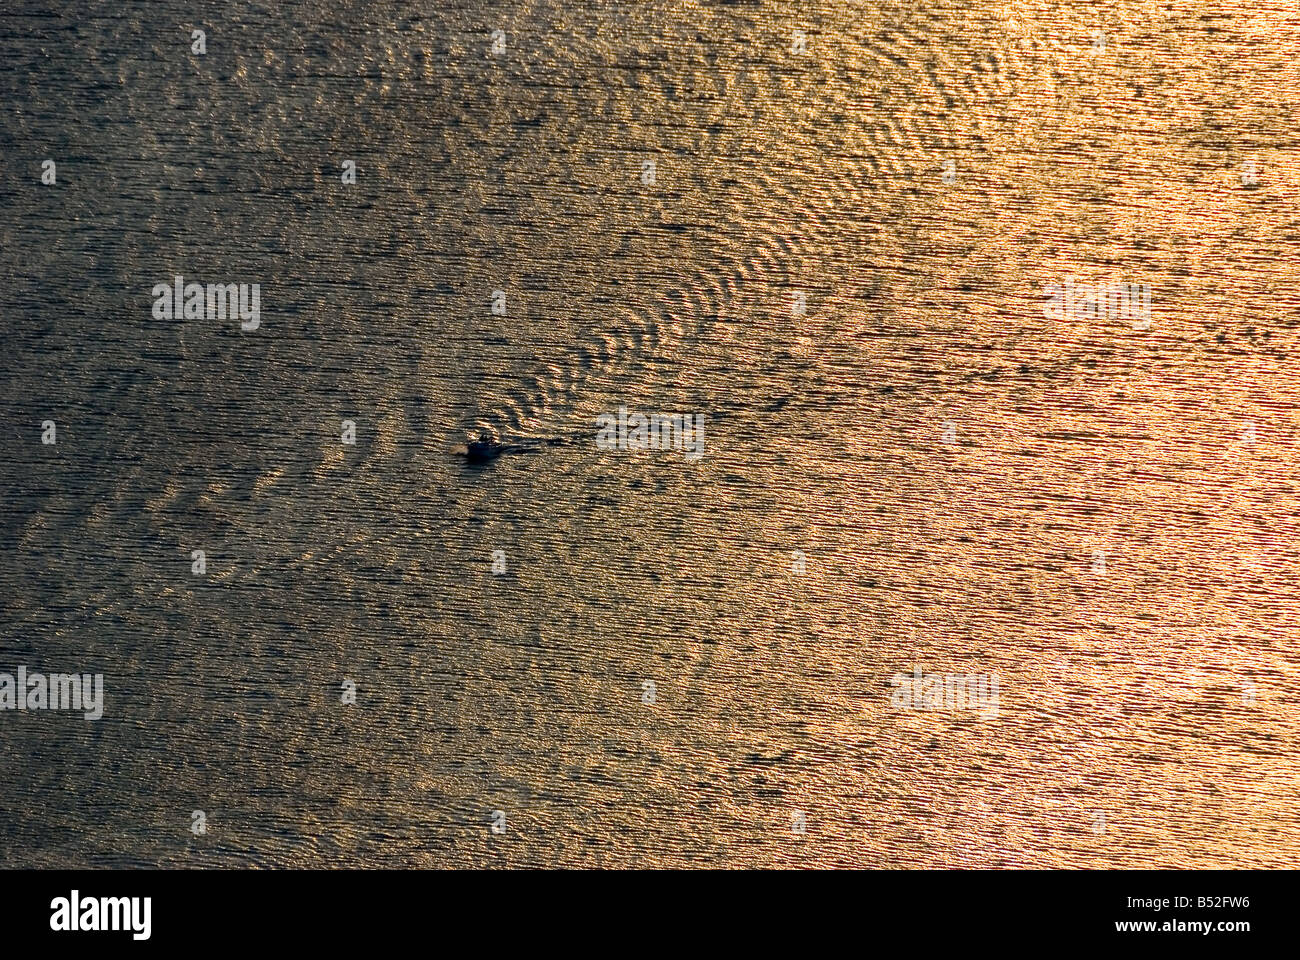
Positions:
{"x": 483, "y": 453}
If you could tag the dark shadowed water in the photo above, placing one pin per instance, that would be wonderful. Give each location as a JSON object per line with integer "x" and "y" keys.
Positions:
{"x": 920, "y": 469}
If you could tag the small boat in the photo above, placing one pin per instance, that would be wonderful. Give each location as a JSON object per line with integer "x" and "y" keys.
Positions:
{"x": 484, "y": 449}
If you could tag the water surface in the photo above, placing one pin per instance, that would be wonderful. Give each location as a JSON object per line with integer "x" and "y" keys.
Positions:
{"x": 1105, "y": 517}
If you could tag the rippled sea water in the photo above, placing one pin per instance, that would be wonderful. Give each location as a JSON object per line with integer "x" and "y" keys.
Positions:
{"x": 923, "y": 470}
